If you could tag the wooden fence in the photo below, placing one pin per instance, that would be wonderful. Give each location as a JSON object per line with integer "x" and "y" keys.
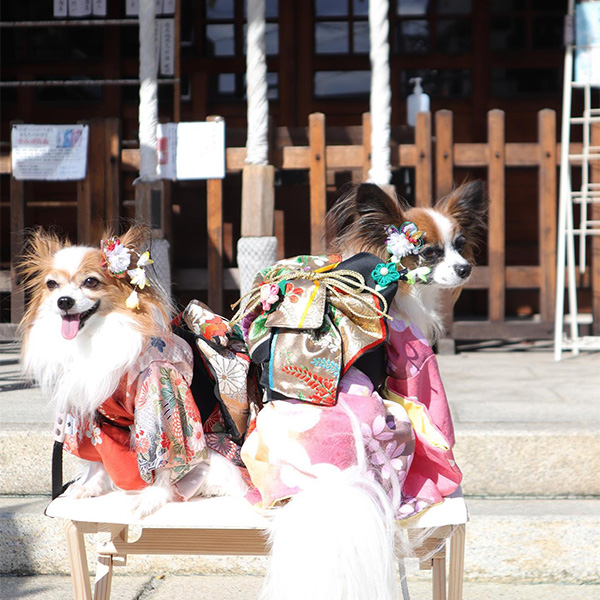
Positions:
{"x": 321, "y": 150}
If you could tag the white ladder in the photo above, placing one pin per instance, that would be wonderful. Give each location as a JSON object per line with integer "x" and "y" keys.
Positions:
{"x": 587, "y": 196}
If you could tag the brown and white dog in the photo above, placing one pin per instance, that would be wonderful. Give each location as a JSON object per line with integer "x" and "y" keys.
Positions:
{"x": 85, "y": 328}
{"x": 452, "y": 230}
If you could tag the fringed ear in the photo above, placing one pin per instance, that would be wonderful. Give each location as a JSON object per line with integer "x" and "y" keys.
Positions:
{"x": 358, "y": 220}
{"x": 39, "y": 250}
{"x": 136, "y": 237}
{"x": 467, "y": 205}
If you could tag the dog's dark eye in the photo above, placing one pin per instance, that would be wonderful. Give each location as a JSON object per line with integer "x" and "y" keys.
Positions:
{"x": 91, "y": 283}
{"x": 459, "y": 243}
{"x": 428, "y": 253}
{"x": 51, "y": 284}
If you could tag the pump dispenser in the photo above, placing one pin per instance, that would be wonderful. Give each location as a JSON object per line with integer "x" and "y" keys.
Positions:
{"x": 417, "y": 102}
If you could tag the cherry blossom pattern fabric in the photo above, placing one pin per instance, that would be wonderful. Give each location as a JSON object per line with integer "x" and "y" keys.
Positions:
{"x": 414, "y": 383}
{"x": 291, "y": 442}
{"x": 405, "y": 436}
{"x": 150, "y": 422}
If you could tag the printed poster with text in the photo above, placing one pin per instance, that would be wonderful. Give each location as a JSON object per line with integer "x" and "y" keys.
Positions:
{"x": 49, "y": 152}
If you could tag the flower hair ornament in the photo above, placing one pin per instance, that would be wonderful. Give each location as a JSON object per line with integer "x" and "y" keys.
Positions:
{"x": 116, "y": 257}
{"x": 401, "y": 242}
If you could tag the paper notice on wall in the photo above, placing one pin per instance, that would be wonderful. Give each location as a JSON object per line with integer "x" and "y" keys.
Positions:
{"x": 80, "y": 8}
{"x": 132, "y": 8}
{"x": 191, "y": 150}
{"x": 49, "y": 152}
{"x": 60, "y": 8}
{"x": 168, "y": 7}
{"x": 167, "y": 36}
{"x": 167, "y": 150}
{"x": 587, "y": 40}
{"x": 99, "y": 8}
{"x": 159, "y": 7}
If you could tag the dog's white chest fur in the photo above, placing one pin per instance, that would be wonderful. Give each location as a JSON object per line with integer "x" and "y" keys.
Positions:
{"x": 80, "y": 374}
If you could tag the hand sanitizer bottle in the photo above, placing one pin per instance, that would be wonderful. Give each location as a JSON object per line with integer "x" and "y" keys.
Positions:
{"x": 417, "y": 102}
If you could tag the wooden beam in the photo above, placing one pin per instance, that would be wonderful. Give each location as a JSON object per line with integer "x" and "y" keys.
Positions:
{"x": 496, "y": 236}
{"x": 423, "y": 182}
{"x": 366, "y": 145}
{"x": 17, "y": 238}
{"x": 595, "y": 215}
{"x": 506, "y": 330}
{"x": 112, "y": 167}
{"x": 214, "y": 229}
{"x": 444, "y": 153}
{"x": 318, "y": 182}
{"x": 547, "y": 210}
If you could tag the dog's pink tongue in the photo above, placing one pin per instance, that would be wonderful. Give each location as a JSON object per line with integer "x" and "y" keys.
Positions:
{"x": 70, "y": 326}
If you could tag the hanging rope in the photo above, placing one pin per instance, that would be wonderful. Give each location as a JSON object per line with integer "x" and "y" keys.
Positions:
{"x": 257, "y": 144}
{"x": 148, "y": 109}
{"x": 381, "y": 96}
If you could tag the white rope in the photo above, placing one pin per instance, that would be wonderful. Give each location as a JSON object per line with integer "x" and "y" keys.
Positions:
{"x": 148, "y": 110}
{"x": 380, "y": 103}
{"x": 257, "y": 144}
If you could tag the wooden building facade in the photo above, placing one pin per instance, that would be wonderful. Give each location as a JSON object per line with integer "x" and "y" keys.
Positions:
{"x": 474, "y": 56}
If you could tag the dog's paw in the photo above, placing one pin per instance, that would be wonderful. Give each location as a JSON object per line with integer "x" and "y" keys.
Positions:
{"x": 149, "y": 500}
{"x": 77, "y": 491}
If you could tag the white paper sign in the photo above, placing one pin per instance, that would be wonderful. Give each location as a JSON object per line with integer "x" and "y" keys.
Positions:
{"x": 80, "y": 8}
{"x": 168, "y": 7}
{"x": 49, "y": 152}
{"x": 99, "y": 8}
{"x": 60, "y": 8}
{"x": 191, "y": 150}
{"x": 167, "y": 36}
{"x": 132, "y": 8}
{"x": 167, "y": 150}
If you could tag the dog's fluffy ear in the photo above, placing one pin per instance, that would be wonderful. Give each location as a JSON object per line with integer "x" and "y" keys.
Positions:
{"x": 467, "y": 205}
{"x": 137, "y": 237}
{"x": 358, "y": 219}
{"x": 38, "y": 252}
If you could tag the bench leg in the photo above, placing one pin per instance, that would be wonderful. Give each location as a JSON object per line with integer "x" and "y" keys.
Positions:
{"x": 456, "y": 567}
{"x": 104, "y": 572}
{"x": 80, "y": 575}
{"x": 438, "y": 572}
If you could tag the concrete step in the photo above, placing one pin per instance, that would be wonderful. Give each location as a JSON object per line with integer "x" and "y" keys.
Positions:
{"x": 496, "y": 459}
{"x": 247, "y": 587}
{"x": 535, "y": 541}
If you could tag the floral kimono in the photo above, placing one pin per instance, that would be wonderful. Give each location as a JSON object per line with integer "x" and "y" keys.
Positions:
{"x": 330, "y": 407}
{"x": 150, "y": 422}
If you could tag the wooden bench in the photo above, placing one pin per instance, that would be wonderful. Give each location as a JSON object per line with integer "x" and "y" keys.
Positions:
{"x": 221, "y": 526}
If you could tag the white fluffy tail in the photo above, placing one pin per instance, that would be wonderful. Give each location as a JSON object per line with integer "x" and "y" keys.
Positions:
{"x": 334, "y": 541}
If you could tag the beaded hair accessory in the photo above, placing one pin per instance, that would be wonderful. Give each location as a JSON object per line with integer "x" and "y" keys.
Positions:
{"x": 117, "y": 258}
{"x": 401, "y": 242}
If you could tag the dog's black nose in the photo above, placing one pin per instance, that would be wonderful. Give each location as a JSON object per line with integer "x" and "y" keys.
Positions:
{"x": 65, "y": 302}
{"x": 463, "y": 271}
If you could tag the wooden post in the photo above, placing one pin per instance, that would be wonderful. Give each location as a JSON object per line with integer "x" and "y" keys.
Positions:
{"x": 366, "y": 144}
{"x": 547, "y": 211}
{"x": 444, "y": 153}
{"x": 318, "y": 182}
{"x": 112, "y": 167}
{"x": 496, "y": 237}
{"x": 177, "y": 63}
{"x": 17, "y": 238}
{"x": 595, "y": 215}
{"x": 423, "y": 184}
{"x": 90, "y": 191}
{"x": 444, "y": 180}
{"x": 149, "y": 205}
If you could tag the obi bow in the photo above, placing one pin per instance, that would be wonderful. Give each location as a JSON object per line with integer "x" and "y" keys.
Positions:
{"x": 308, "y": 319}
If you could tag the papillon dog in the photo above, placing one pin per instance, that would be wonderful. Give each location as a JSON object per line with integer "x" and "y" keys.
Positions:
{"x": 359, "y": 221}
{"x": 92, "y": 312}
